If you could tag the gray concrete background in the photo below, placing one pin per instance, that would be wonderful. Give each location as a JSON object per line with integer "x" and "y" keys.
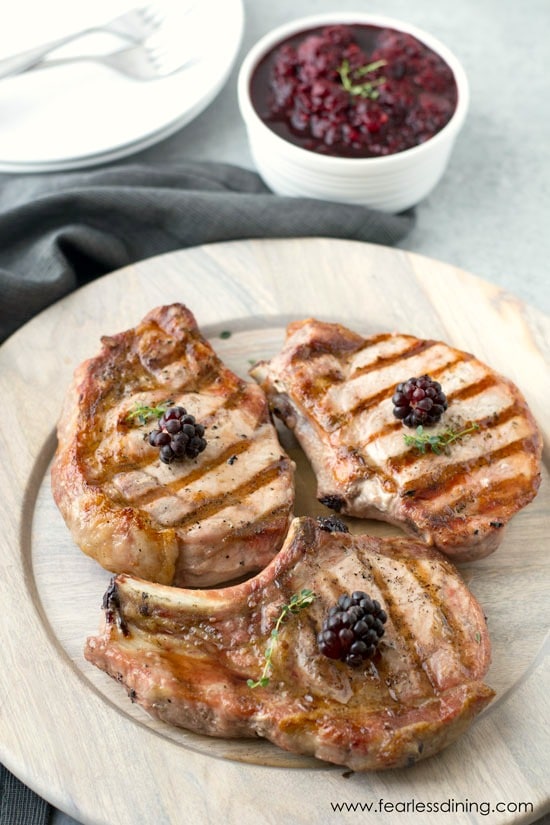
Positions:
{"x": 490, "y": 214}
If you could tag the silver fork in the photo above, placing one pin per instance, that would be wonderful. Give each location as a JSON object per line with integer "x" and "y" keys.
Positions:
{"x": 133, "y": 26}
{"x": 146, "y": 61}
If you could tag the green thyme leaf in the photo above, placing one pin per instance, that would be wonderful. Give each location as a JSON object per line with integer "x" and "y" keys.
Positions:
{"x": 143, "y": 413}
{"x": 438, "y": 443}
{"x": 297, "y": 602}
{"x": 352, "y": 83}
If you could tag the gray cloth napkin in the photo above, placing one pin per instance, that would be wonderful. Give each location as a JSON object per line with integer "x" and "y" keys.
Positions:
{"x": 18, "y": 804}
{"x": 59, "y": 231}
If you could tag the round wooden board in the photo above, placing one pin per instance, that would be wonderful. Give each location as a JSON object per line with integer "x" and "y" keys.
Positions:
{"x": 71, "y": 733}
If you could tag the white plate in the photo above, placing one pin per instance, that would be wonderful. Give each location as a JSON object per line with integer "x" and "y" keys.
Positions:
{"x": 84, "y": 114}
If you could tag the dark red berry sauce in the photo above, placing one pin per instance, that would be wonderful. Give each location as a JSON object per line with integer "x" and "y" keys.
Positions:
{"x": 299, "y": 92}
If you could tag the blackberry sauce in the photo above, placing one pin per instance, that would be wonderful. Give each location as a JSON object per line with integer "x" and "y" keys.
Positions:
{"x": 297, "y": 90}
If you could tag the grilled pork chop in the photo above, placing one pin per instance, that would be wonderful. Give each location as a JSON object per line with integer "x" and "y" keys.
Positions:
{"x": 333, "y": 388}
{"x": 196, "y": 522}
{"x": 186, "y": 655}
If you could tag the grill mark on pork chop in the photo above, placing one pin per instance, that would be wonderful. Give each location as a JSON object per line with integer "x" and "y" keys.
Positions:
{"x": 350, "y": 344}
{"x": 168, "y": 509}
{"x": 453, "y": 635}
{"x": 403, "y": 630}
{"x": 431, "y": 485}
{"x": 393, "y": 426}
{"x": 398, "y": 463}
{"x": 500, "y": 491}
{"x": 473, "y": 389}
{"x": 342, "y": 419}
{"x": 389, "y": 427}
{"x": 387, "y": 392}
{"x": 236, "y": 448}
{"x": 232, "y": 402}
{"x": 411, "y": 456}
{"x": 383, "y": 575}
{"x": 456, "y": 629}
{"x": 235, "y": 496}
{"x": 382, "y": 361}
{"x": 426, "y": 596}
{"x": 151, "y": 396}
{"x": 207, "y": 382}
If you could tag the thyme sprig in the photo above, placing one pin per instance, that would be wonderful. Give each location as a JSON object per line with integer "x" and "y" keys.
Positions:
{"x": 438, "y": 443}
{"x": 297, "y": 602}
{"x": 351, "y": 79}
{"x": 143, "y": 412}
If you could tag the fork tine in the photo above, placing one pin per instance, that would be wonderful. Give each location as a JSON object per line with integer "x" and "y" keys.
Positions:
{"x": 141, "y": 22}
{"x": 136, "y": 24}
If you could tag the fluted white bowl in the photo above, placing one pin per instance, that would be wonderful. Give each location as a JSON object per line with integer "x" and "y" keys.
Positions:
{"x": 390, "y": 183}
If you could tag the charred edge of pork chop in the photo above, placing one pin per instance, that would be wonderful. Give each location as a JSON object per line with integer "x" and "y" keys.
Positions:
{"x": 333, "y": 389}
{"x": 185, "y": 656}
{"x": 201, "y": 522}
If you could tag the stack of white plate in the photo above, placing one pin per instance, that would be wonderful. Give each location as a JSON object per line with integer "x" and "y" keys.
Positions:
{"x": 84, "y": 114}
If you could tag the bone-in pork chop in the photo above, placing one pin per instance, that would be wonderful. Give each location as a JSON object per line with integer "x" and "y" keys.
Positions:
{"x": 198, "y": 521}
{"x": 186, "y": 656}
{"x": 334, "y": 389}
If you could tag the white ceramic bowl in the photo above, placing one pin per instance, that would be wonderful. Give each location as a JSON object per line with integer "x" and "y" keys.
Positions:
{"x": 391, "y": 183}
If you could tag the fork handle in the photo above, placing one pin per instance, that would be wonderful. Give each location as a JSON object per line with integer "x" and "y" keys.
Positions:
{"x": 18, "y": 63}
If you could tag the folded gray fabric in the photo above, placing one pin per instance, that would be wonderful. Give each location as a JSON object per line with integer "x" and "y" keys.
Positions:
{"x": 18, "y": 804}
{"x": 59, "y": 231}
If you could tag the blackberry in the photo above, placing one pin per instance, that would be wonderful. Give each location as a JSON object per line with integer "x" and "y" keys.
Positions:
{"x": 331, "y": 524}
{"x": 332, "y": 502}
{"x": 419, "y": 401}
{"x": 353, "y": 628}
{"x": 178, "y": 436}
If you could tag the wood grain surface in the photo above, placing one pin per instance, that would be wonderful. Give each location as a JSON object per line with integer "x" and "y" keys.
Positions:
{"x": 72, "y": 734}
